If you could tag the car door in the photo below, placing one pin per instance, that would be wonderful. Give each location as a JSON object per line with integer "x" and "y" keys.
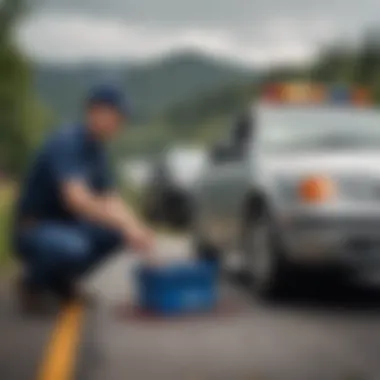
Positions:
{"x": 224, "y": 185}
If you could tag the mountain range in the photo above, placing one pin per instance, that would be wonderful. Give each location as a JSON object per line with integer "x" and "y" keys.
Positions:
{"x": 155, "y": 87}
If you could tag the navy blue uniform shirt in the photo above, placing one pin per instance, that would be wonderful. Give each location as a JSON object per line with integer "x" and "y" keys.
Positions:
{"x": 69, "y": 153}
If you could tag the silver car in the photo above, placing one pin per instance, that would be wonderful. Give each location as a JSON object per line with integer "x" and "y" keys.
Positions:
{"x": 293, "y": 189}
{"x": 169, "y": 193}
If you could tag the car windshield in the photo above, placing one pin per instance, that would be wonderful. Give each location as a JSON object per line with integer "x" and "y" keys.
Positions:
{"x": 290, "y": 130}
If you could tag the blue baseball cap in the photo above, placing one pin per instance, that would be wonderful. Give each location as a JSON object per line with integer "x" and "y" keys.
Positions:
{"x": 109, "y": 95}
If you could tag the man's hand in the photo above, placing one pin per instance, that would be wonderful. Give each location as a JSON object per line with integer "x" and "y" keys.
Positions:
{"x": 111, "y": 211}
{"x": 141, "y": 239}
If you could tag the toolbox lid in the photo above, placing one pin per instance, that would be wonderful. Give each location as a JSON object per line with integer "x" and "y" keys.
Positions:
{"x": 177, "y": 270}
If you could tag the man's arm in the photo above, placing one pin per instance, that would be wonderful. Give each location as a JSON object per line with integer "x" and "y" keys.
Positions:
{"x": 104, "y": 209}
{"x": 69, "y": 168}
{"x": 109, "y": 210}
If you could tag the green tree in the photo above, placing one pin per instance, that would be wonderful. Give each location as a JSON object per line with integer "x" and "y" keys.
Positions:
{"x": 21, "y": 116}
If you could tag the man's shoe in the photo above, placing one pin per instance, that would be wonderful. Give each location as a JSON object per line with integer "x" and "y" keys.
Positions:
{"x": 72, "y": 293}
{"x": 32, "y": 300}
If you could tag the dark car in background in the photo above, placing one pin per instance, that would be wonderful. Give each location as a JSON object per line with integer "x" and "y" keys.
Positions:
{"x": 169, "y": 191}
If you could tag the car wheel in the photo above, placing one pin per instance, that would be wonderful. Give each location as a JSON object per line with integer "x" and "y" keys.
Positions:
{"x": 264, "y": 260}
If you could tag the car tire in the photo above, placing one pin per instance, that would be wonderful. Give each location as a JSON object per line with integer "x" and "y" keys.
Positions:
{"x": 264, "y": 259}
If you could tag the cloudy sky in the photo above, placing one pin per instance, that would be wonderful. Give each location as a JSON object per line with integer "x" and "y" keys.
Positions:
{"x": 251, "y": 31}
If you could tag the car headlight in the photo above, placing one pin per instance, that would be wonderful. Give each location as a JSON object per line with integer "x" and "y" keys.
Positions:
{"x": 311, "y": 189}
{"x": 316, "y": 189}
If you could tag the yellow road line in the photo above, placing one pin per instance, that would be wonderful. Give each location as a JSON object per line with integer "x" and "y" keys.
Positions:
{"x": 60, "y": 358}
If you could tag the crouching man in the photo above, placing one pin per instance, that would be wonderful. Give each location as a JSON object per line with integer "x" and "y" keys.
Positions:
{"x": 70, "y": 217}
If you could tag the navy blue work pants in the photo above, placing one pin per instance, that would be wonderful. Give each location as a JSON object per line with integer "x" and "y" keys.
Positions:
{"x": 54, "y": 252}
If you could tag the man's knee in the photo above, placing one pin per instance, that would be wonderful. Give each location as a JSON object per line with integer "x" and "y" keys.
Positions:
{"x": 104, "y": 240}
{"x": 109, "y": 240}
{"x": 53, "y": 252}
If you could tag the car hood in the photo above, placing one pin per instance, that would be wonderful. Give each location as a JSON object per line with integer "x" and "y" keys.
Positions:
{"x": 330, "y": 163}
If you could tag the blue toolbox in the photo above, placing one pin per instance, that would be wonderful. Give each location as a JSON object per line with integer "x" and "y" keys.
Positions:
{"x": 177, "y": 288}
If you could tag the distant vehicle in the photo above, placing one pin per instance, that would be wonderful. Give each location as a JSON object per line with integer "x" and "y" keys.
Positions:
{"x": 295, "y": 189}
{"x": 169, "y": 193}
{"x": 136, "y": 172}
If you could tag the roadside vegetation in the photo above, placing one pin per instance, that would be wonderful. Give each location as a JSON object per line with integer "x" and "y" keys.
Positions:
{"x": 7, "y": 196}
{"x": 23, "y": 119}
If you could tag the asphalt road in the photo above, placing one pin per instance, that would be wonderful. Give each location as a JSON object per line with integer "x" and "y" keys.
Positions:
{"x": 330, "y": 335}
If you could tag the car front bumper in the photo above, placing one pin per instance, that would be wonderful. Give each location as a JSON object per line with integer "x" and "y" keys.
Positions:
{"x": 349, "y": 240}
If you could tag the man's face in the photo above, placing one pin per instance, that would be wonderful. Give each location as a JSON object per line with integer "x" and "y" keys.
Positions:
{"x": 105, "y": 121}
